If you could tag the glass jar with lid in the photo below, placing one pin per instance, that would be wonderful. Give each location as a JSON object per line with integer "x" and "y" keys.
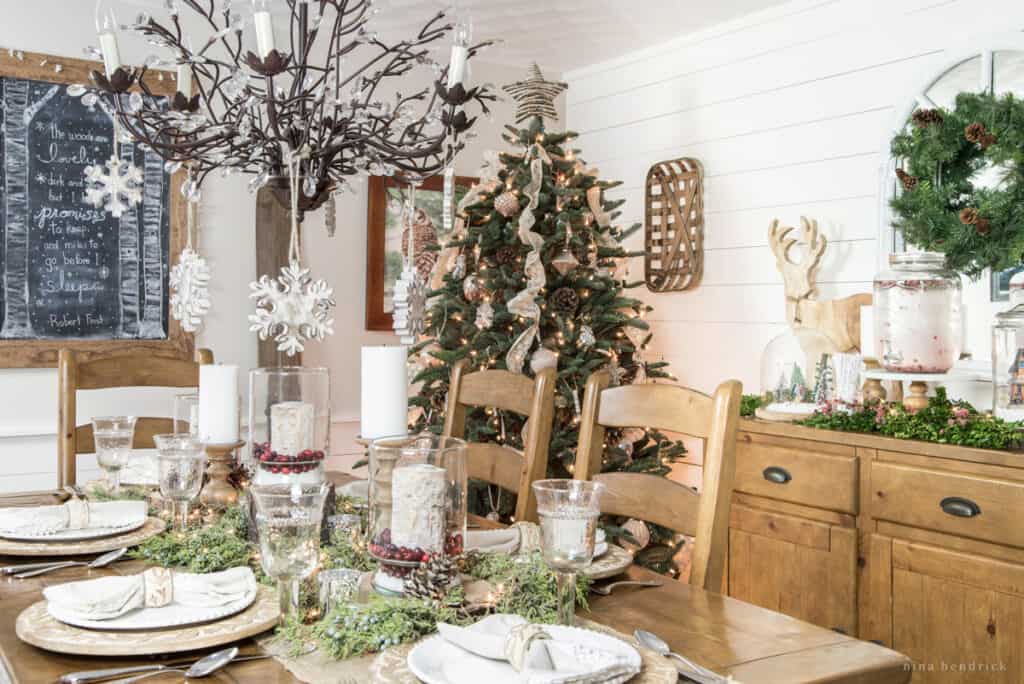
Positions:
{"x": 1008, "y": 356}
{"x": 917, "y": 306}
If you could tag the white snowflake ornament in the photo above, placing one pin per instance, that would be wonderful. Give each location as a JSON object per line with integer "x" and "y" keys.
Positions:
{"x": 292, "y": 308}
{"x": 190, "y": 294}
{"x": 115, "y": 186}
{"x": 410, "y": 305}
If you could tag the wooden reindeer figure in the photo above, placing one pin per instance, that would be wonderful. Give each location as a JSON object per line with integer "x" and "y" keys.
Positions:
{"x": 839, "y": 319}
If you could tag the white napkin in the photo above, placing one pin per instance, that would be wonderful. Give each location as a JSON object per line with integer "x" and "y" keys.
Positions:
{"x": 547, "y": 660}
{"x": 509, "y": 539}
{"x": 110, "y": 597}
{"x": 46, "y": 520}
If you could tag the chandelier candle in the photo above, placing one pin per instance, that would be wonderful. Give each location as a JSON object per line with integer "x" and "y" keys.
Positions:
{"x": 218, "y": 404}
{"x": 106, "y": 25}
{"x": 185, "y": 80}
{"x": 385, "y": 392}
{"x": 264, "y": 27}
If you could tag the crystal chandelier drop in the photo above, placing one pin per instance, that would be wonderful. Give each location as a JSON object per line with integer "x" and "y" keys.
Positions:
{"x": 325, "y": 95}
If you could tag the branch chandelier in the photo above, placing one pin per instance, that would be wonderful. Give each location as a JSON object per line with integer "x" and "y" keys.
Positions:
{"x": 325, "y": 104}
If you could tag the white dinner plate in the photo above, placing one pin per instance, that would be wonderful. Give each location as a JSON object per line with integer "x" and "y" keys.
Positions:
{"x": 171, "y": 615}
{"x": 435, "y": 661}
{"x": 75, "y": 535}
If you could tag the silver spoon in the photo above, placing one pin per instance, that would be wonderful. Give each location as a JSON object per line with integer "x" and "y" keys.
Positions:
{"x": 606, "y": 589}
{"x": 696, "y": 672}
{"x": 103, "y": 561}
{"x": 201, "y": 668}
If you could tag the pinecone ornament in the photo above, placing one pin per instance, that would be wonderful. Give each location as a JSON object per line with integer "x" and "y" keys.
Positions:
{"x": 923, "y": 118}
{"x": 906, "y": 180}
{"x": 424, "y": 240}
{"x": 505, "y": 255}
{"x": 982, "y": 226}
{"x": 969, "y": 216}
{"x": 432, "y": 580}
{"x": 974, "y": 132}
{"x": 507, "y": 204}
{"x": 473, "y": 288}
{"x": 564, "y": 300}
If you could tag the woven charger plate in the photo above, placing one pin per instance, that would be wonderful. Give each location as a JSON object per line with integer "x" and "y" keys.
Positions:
{"x": 37, "y": 627}
{"x": 153, "y": 527}
{"x": 391, "y": 666}
{"x": 613, "y": 563}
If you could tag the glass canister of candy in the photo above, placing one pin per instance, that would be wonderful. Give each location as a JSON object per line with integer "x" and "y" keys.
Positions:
{"x": 917, "y": 307}
{"x": 1008, "y": 356}
{"x": 417, "y": 504}
{"x": 289, "y": 424}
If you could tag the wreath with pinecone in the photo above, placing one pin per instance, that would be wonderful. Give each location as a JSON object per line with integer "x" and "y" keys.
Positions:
{"x": 962, "y": 179}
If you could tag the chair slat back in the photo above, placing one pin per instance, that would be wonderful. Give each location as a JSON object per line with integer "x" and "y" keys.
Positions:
{"x": 513, "y": 392}
{"x": 145, "y": 428}
{"x": 127, "y": 370}
{"x": 655, "y": 499}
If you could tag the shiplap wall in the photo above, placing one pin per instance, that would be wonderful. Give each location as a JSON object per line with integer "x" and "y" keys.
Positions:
{"x": 789, "y": 110}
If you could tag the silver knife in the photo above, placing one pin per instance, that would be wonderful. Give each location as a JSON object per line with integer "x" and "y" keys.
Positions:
{"x": 25, "y": 567}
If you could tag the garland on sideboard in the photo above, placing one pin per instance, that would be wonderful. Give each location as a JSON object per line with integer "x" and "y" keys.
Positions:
{"x": 944, "y": 422}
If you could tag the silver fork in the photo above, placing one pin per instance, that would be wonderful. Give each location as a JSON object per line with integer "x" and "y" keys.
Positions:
{"x": 607, "y": 589}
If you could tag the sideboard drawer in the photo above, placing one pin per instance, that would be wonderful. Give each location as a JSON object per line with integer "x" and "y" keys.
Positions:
{"x": 966, "y": 505}
{"x": 797, "y": 471}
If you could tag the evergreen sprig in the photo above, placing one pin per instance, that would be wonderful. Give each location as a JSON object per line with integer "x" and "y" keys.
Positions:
{"x": 211, "y": 548}
{"x": 941, "y": 160}
{"x": 943, "y": 421}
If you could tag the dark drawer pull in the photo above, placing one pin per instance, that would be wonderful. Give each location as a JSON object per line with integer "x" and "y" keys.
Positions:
{"x": 960, "y": 507}
{"x": 777, "y": 475}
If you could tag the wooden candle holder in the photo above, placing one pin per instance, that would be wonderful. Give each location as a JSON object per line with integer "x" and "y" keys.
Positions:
{"x": 218, "y": 492}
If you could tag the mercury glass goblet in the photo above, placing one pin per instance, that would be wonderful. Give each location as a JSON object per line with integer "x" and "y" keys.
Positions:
{"x": 568, "y": 511}
{"x": 288, "y": 520}
{"x": 182, "y": 462}
{"x": 113, "y": 439}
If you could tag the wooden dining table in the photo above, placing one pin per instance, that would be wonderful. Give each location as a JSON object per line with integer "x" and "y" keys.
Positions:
{"x": 754, "y": 645}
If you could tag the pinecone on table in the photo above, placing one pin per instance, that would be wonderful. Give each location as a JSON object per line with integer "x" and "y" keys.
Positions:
{"x": 969, "y": 216}
{"x": 975, "y": 132}
{"x": 906, "y": 180}
{"x": 432, "y": 579}
{"x": 564, "y": 300}
{"x": 923, "y": 118}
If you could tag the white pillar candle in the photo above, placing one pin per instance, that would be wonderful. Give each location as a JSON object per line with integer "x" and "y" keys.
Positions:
{"x": 867, "y": 332}
{"x": 264, "y": 32}
{"x": 417, "y": 514}
{"x": 291, "y": 427}
{"x": 457, "y": 65}
{"x": 385, "y": 392}
{"x": 111, "y": 52}
{"x": 218, "y": 404}
{"x": 185, "y": 79}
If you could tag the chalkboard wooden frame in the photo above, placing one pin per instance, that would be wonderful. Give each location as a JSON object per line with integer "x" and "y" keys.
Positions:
{"x": 43, "y": 353}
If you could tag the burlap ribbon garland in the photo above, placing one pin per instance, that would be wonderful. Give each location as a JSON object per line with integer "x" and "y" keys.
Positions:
{"x": 524, "y": 303}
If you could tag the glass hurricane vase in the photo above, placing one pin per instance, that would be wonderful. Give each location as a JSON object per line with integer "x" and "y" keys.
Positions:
{"x": 289, "y": 424}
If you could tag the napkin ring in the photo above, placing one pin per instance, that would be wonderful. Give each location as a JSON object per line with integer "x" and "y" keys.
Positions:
{"x": 529, "y": 536}
{"x": 78, "y": 513}
{"x": 520, "y": 639}
{"x": 158, "y": 586}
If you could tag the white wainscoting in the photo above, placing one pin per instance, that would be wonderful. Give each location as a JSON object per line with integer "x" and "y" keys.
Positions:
{"x": 789, "y": 110}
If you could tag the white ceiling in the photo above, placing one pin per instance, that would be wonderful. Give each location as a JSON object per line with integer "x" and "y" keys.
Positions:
{"x": 567, "y": 34}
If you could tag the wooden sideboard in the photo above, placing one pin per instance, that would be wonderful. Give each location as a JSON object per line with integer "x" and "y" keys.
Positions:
{"x": 917, "y": 546}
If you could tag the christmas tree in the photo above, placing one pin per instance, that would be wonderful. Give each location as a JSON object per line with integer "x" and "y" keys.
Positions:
{"x": 532, "y": 279}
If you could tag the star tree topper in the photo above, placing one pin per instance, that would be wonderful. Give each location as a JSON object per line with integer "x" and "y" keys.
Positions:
{"x": 536, "y": 96}
{"x": 292, "y": 308}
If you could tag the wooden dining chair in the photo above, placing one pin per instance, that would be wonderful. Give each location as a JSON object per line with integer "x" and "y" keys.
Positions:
{"x": 656, "y": 499}
{"x": 126, "y": 370}
{"x": 504, "y": 466}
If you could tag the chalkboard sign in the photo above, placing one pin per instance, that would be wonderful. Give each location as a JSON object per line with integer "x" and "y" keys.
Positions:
{"x": 74, "y": 275}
